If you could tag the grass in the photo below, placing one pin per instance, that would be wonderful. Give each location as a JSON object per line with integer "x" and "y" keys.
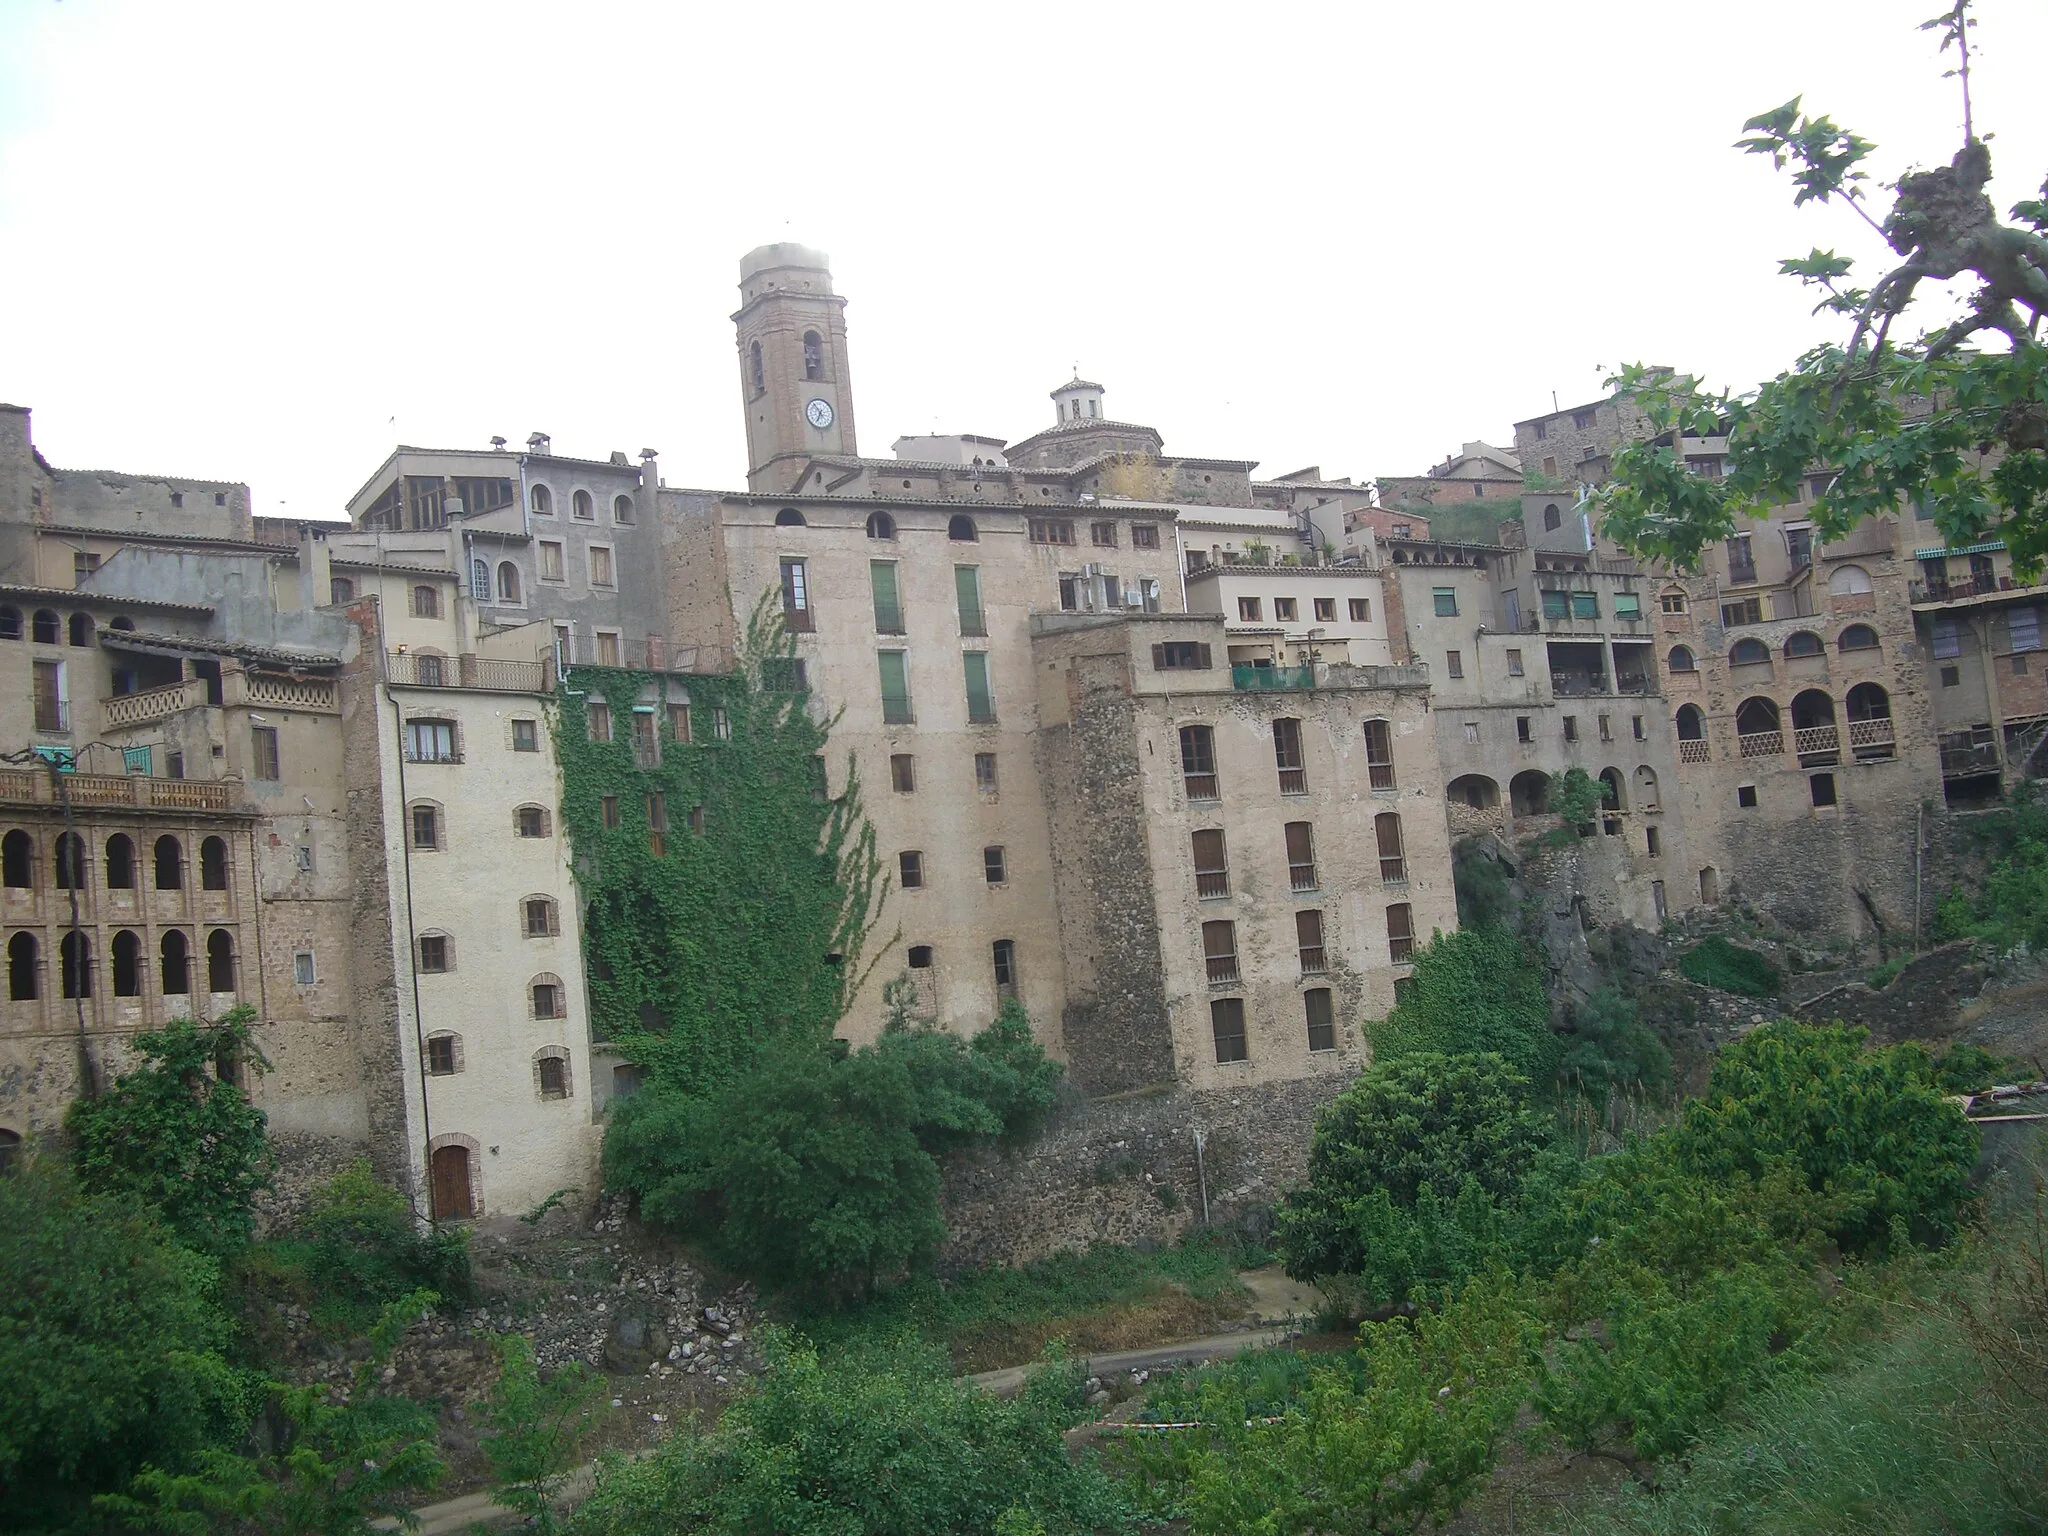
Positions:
{"x": 1714, "y": 962}
{"x": 1106, "y": 1298}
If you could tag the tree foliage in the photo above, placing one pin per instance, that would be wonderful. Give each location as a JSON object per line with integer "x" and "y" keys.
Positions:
{"x": 1474, "y": 990}
{"x": 1954, "y": 419}
{"x": 1611, "y": 1048}
{"x": 173, "y": 1135}
{"x": 537, "y": 1426}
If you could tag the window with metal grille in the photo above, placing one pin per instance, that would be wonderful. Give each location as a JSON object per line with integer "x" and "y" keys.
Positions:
{"x": 1212, "y": 865}
{"x": 1226, "y": 1026}
{"x": 1198, "y": 761}
{"x": 554, "y": 1077}
{"x": 1308, "y": 939}
{"x": 430, "y": 741}
{"x": 1393, "y": 865}
{"x": 1219, "y": 950}
{"x": 1379, "y": 754}
{"x": 1321, "y": 1015}
{"x": 888, "y": 602}
{"x": 1400, "y": 933}
{"x": 895, "y": 670}
{"x": 1301, "y": 856}
{"x": 1287, "y": 757}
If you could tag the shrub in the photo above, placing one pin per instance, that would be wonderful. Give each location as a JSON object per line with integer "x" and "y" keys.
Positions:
{"x": 1478, "y": 989}
{"x": 1611, "y": 1048}
{"x": 363, "y": 1248}
{"x": 172, "y": 1135}
{"x": 1481, "y": 885}
{"x": 1714, "y": 962}
{"x": 537, "y": 1426}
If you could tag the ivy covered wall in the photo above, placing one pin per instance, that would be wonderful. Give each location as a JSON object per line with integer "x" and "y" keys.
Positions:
{"x": 727, "y": 897}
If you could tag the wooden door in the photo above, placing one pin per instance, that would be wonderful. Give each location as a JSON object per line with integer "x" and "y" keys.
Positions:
{"x": 451, "y": 1184}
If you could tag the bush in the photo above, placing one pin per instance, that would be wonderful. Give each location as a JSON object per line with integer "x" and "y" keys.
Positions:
{"x": 1481, "y": 885}
{"x": 1611, "y": 1048}
{"x": 361, "y": 1248}
{"x": 885, "y": 1443}
{"x": 111, "y": 1345}
{"x": 1714, "y": 962}
{"x": 1478, "y": 989}
{"x": 175, "y": 1137}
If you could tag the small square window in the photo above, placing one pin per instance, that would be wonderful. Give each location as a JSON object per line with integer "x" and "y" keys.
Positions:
{"x": 1446, "y": 599}
{"x": 1284, "y": 610}
{"x": 1471, "y": 730}
{"x": 547, "y": 1000}
{"x": 1249, "y": 610}
{"x": 1745, "y": 796}
{"x": 441, "y": 1055}
{"x": 531, "y": 821}
{"x": 985, "y": 772}
{"x": 2019, "y": 666}
{"x": 992, "y": 867}
{"x": 920, "y": 957}
{"x": 525, "y": 736}
{"x": 540, "y": 918}
{"x": 1951, "y": 676}
{"x": 910, "y": 865}
{"x": 1144, "y": 536}
{"x": 1514, "y": 662}
{"x": 1361, "y": 610}
{"x": 1326, "y": 610}
{"x": 303, "y": 972}
{"x": 1823, "y": 787}
{"x": 433, "y": 952}
{"x": 902, "y": 772}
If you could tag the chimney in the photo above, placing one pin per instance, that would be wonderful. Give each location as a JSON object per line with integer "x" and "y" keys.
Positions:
{"x": 315, "y": 583}
{"x": 538, "y": 445}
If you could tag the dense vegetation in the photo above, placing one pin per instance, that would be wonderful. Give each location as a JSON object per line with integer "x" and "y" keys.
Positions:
{"x": 2009, "y": 908}
{"x": 1715, "y": 962}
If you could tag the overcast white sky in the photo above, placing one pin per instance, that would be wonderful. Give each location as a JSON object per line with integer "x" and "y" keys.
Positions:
{"x": 266, "y": 241}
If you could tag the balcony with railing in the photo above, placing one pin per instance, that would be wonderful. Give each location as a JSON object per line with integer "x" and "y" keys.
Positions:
{"x": 1968, "y": 759}
{"x": 125, "y": 710}
{"x": 1246, "y": 679}
{"x": 1872, "y": 740}
{"x": 34, "y": 787}
{"x": 1960, "y": 587}
{"x": 1760, "y": 743}
{"x": 1692, "y": 751}
{"x": 1818, "y": 746}
{"x": 485, "y": 674}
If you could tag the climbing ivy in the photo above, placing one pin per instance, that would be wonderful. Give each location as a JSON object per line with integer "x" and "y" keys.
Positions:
{"x": 748, "y": 916}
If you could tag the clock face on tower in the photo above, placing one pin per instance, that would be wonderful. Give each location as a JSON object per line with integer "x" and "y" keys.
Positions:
{"x": 819, "y": 413}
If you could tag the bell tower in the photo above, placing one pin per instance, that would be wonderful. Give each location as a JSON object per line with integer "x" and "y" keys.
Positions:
{"x": 795, "y": 384}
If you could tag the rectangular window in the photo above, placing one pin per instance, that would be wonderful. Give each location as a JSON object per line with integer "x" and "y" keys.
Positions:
{"x": 1308, "y": 940}
{"x": 1212, "y": 866}
{"x": 1582, "y": 419}
{"x": 426, "y": 827}
{"x": 895, "y": 669}
{"x": 985, "y": 772}
{"x": 1052, "y": 530}
{"x": 426, "y": 741}
{"x": 1454, "y": 663}
{"x": 1585, "y": 605}
{"x": 1514, "y": 662}
{"x": 433, "y": 952}
{"x": 1542, "y": 430}
{"x": 1287, "y": 757}
{"x": 1741, "y": 562}
{"x": 608, "y": 811}
{"x": 888, "y": 605}
{"x": 599, "y": 716}
{"x": 1628, "y": 605}
{"x": 1556, "y": 604}
{"x": 1219, "y": 950}
{"x": 547, "y": 1001}
{"x": 608, "y": 652}
{"x": 551, "y": 567}
{"x": 554, "y": 1078}
{"x": 1393, "y": 864}
{"x": 796, "y": 598}
{"x": 1652, "y": 843}
{"x": 1379, "y": 754}
{"x": 1361, "y": 610}
{"x": 992, "y": 867}
{"x": 1446, "y": 600}
{"x": 981, "y": 704}
{"x": 1301, "y": 856}
{"x": 679, "y": 722}
{"x": 1523, "y": 731}
{"x": 1004, "y": 955}
{"x": 1948, "y": 639}
{"x": 1571, "y": 727}
{"x": 266, "y": 767}
{"x": 1671, "y": 602}
{"x": 1635, "y": 725}
{"x": 784, "y": 674}
{"x": 1400, "y": 933}
{"x": 530, "y": 821}
{"x": 1326, "y": 610}
{"x": 303, "y": 973}
{"x": 1144, "y": 536}
{"x": 1799, "y": 547}
{"x": 1606, "y": 728}
{"x": 1745, "y": 796}
{"x": 1322, "y": 1019}
{"x": 902, "y": 772}
{"x": 525, "y": 736}
{"x": 657, "y": 825}
{"x": 1284, "y": 610}
{"x": 2023, "y": 627}
{"x": 910, "y": 866}
{"x": 721, "y": 724}
{"x": 697, "y": 821}
{"x": 1198, "y": 761}
{"x": 1102, "y": 535}
{"x": 441, "y": 1055}
{"x": 1070, "y": 592}
{"x": 1823, "y": 785}
{"x": 600, "y": 561}
{"x": 1148, "y": 593}
{"x": 1226, "y": 1024}
{"x": 1249, "y": 610}
{"x": 426, "y": 603}
{"x": 967, "y": 593}
{"x": 540, "y": 918}
{"x": 1180, "y": 656}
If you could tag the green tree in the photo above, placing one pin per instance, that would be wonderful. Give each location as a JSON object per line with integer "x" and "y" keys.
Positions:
{"x": 174, "y": 1135}
{"x": 1953, "y": 418}
{"x": 1576, "y": 796}
{"x": 1478, "y": 989}
{"x": 111, "y": 1345}
{"x": 362, "y": 1248}
{"x": 1611, "y": 1048}
{"x": 537, "y": 1429}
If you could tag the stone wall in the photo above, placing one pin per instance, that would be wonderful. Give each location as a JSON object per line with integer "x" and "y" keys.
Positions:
{"x": 1123, "y": 1170}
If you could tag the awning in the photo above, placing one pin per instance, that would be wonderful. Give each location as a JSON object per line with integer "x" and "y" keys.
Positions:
{"x": 1988, "y": 547}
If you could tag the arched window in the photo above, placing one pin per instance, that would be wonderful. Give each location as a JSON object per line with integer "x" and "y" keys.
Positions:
{"x": 340, "y": 590}
{"x": 10, "y": 622}
{"x": 479, "y": 581}
{"x": 542, "y": 500}
{"x": 213, "y": 864}
{"x": 814, "y": 355}
{"x": 1812, "y": 708}
{"x": 1749, "y": 652}
{"x": 18, "y": 860}
{"x": 622, "y": 509}
{"x": 1868, "y": 701}
{"x": 81, "y": 629}
{"x": 508, "y": 582}
{"x": 120, "y": 862}
{"x": 581, "y": 506}
{"x": 23, "y": 972}
{"x": 1858, "y": 637}
{"x": 1610, "y": 781}
{"x": 1646, "y": 788}
{"x": 1870, "y": 722}
{"x": 757, "y": 368}
{"x": 531, "y": 821}
{"x": 881, "y": 526}
{"x": 175, "y": 953}
{"x": 70, "y": 862}
{"x": 1803, "y": 642}
{"x": 546, "y": 997}
{"x": 123, "y": 623}
{"x": 47, "y": 630}
{"x": 1681, "y": 660}
{"x": 551, "y": 1072}
{"x": 1529, "y": 792}
{"x": 1692, "y": 725}
{"x": 76, "y": 953}
{"x": 1848, "y": 581}
{"x": 1757, "y": 721}
{"x": 127, "y": 964}
{"x": 961, "y": 530}
{"x": 1379, "y": 754}
{"x": 539, "y": 917}
{"x": 789, "y": 517}
{"x": 170, "y": 864}
{"x": 220, "y": 961}
{"x": 444, "y": 1053}
{"x": 1552, "y": 518}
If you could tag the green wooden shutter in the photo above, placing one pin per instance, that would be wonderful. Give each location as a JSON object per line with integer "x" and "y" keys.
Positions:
{"x": 967, "y": 583}
{"x": 888, "y": 609}
{"x": 895, "y": 687}
{"x": 981, "y": 705}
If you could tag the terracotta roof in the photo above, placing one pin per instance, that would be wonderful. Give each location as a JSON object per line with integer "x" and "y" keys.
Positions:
{"x": 108, "y": 599}
{"x": 143, "y": 640}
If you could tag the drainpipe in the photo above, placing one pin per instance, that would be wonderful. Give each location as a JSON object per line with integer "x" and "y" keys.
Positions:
{"x": 412, "y": 969}
{"x": 1202, "y": 1175}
